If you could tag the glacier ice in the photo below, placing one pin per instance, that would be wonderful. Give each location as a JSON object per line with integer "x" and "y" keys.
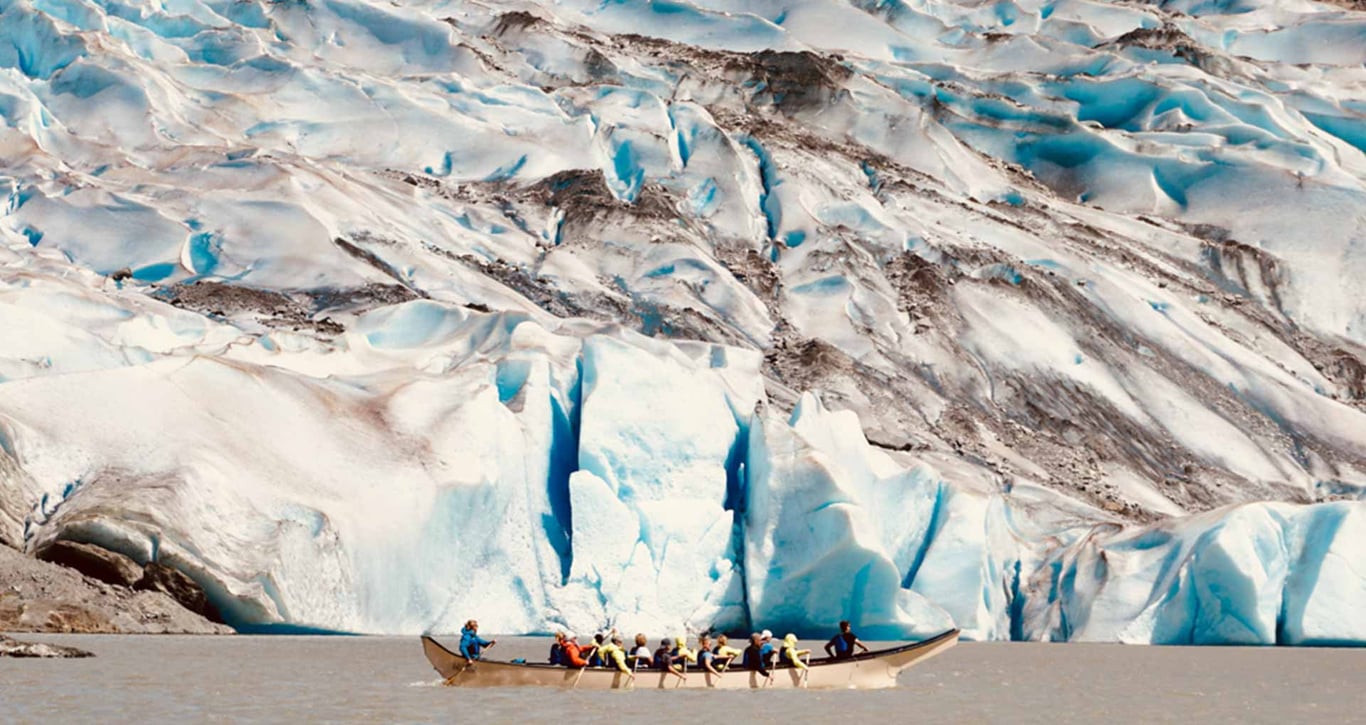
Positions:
{"x": 822, "y": 526}
{"x": 404, "y": 502}
{"x": 1014, "y": 317}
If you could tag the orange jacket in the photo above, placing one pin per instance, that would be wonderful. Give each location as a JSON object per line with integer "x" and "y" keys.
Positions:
{"x": 573, "y": 654}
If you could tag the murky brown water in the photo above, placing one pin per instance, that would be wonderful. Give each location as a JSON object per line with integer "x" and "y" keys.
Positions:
{"x": 383, "y": 679}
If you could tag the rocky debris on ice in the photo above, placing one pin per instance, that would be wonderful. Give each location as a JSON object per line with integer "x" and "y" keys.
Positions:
{"x": 14, "y": 648}
{"x": 344, "y": 311}
{"x": 185, "y": 591}
{"x": 551, "y": 479}
{"x": 39, "y": 596}
{"x": 1051, "y": 245}
{"x": 114, "y": 568}
{"x": 95, "y": 562}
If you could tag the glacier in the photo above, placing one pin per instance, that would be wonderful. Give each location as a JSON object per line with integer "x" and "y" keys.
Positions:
{"x": 1042, "y": 319}
{"x": 606, "y": 477}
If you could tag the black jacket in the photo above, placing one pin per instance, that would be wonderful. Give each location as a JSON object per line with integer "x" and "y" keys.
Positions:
{"x": 755, "y": 661}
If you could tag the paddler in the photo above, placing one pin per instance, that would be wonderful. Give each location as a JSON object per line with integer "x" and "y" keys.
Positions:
{"x": 754, "y": 658}
{"x": 614, "y": 655}
{"x": 599, "y": 641}
{"x": 664, "y": 660}
{"x": 768, "y": 649}
{"x": 574, "y": 655}
{"x": 681, "y": 651}
{"x": 792, "y": 654}
{"x": 557, "y": 649}
{"x": 641, "y": 654}
{"x": 725, "y": 653}
{"x": 842, "y": 645}
{"x": 707, "y": 658}
{"x": 471, "y": 645}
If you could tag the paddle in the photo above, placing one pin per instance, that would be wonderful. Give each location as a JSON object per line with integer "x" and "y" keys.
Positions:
{"x": 581, "y": 669}
{"x": 631, "y": 678}
{"x": 469, "y": 663}
{"x": 460, "y": 672}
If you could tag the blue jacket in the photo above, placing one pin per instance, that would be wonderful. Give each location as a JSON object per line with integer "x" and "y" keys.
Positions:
{"x": 471, "y": 644}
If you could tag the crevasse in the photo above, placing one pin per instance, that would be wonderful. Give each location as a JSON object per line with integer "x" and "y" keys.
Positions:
{"x": 586, "y": 483}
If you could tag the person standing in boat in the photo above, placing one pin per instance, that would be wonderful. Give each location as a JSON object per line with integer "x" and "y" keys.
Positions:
{"x": 471, "y": 644}
{"x": 841, "y": 646}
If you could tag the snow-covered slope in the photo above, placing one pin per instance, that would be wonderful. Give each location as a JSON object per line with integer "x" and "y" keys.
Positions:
{"x": 374, "y": 316}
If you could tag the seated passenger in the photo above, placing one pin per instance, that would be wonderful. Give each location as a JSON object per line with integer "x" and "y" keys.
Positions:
{"x": 707, "y": 658}
{"x": 725, "y": 653}
{"x": 665, "y": 660}
{"x": 842, "y": 645}
{"x": 557, "y": 650}
{"x": 471, "y": 645}
{"x": 613, "y": 655}
{"x": 681, "y": 653}
{"x": 768, "y": 649}
{"x": 791, "y": 654}
{"x": 595, "y": 659}
{"x": 640, "y": 656}
{"x": 574, "y": 655}
{"x": 754, "y": 658}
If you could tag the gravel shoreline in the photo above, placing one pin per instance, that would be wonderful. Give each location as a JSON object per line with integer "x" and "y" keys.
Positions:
{"x": 42, "y": 597}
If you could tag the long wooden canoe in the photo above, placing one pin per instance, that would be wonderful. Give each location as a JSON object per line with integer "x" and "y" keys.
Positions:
{"x": 870, "y": 670}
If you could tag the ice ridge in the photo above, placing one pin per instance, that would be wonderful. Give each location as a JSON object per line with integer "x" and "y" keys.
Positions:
{"x": 1043, "y": 320}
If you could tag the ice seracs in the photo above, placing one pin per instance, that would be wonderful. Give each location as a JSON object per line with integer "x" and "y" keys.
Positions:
{"x": 1043, "y": 320}
{"x": 825, "y": 519}
{"x": 612, "y": 478}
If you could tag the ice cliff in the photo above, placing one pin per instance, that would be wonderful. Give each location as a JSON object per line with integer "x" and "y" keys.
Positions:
{"x": 1040, "y": 318}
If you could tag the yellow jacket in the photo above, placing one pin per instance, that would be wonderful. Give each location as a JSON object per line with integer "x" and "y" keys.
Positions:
{"x": 614, "y": 656}
{"x": 683, "y": 651}
{"x": 792, "y": 654}
{"x": 725, "y": 654}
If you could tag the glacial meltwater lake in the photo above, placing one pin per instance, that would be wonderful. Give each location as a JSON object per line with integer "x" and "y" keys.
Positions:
{"x": 386, "y": 679}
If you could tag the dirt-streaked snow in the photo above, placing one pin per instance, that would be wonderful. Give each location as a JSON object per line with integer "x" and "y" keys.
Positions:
{"x": 370, "y": 316}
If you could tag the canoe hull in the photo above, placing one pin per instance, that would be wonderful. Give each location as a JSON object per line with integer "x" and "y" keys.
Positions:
{"x": 873, "y": 670}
